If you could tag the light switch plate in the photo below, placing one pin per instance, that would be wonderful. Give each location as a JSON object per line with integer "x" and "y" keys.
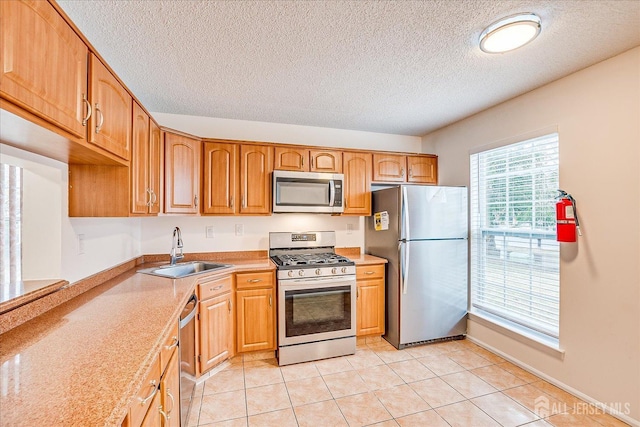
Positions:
{"x": 239, "y": 229}
{"x": 209, "y": 231}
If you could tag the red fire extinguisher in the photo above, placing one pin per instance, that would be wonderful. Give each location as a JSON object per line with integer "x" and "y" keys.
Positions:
{"x": 566, "y": 218}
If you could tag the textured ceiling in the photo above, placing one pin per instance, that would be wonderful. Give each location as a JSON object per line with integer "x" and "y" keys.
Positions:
{"x": 403, "y": 67}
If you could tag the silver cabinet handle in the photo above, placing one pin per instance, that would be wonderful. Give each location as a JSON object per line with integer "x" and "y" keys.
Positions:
{"x": 215, "y": 289}
{"x": 402, "y": 172}
{"x": 144, "y": 401}
{"x": 357, "y": 292}
{"x": 302, "y": 161}
{"x": 100, "y": 119}
{"x": 173, "y": 403}
{"x": 165, "y": 418}
{"x": 411, "y": 171}
{"x": 244, "y": 201}
{"x": 231, "y": 202}
{"x": 86, "y": 118}
{"x": 150, "y": 198}
{"x": 195, "y": 201}
{"x": 270, "y": 301}
{"x": 312, "y": 166}
{"x": 254, "y": 280}
{"x": 229, "y": 305}
{"x": 368, "y": 272}
{"x": 173, "y": 344}
{"x": 155, "y": 197}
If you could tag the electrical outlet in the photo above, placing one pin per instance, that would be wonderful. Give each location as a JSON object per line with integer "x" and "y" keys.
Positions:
{"x": 80, "y": 244}
{"x": 349, "y": 228}
{"x": 239, "y": 230}
{"x": 209, "y": 231}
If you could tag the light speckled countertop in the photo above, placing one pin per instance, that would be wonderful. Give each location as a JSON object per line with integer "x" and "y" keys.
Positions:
{"x": 81, "y": 362}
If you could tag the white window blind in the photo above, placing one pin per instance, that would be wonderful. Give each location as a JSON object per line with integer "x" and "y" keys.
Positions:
{"x": 10, "y": 228}
{"x": 514, "y": 253}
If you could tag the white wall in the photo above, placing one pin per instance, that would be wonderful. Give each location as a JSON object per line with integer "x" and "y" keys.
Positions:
{"x": 597, "y": 114}
{"x": 209, "y": 127}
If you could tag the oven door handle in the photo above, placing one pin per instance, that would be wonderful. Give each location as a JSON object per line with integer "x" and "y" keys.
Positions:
{"x": 317, "y": 280}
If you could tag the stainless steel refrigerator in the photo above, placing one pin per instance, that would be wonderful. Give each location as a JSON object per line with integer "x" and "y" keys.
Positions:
{"x": 422, "y": 232}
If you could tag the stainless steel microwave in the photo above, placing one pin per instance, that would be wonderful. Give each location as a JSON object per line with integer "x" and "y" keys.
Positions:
{"x": 308, "y": 192}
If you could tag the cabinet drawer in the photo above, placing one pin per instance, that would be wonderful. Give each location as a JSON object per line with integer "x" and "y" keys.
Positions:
{"x": 212, "y": 287}
{"x": 262, "y": 279}
{"x": 370, "y": 271}
{"x": 168, "y": 347}
{"x": 145, "y": 395}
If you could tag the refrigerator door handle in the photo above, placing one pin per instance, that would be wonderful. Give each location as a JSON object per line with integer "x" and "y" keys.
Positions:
{"x": 403, "y": 248}
{"x": 405, "y": 214}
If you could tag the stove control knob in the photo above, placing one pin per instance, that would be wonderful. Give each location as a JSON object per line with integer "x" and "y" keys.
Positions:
{"x": 301, "y": 273}
{"x": 290, "y": 273}
{"x": 343, "y": 269}
{"x": 334, "y": 270}
{"x": 318, "y": 271}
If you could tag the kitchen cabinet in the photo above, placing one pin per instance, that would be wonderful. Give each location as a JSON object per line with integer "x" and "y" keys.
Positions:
{"x": 303, "y": 159}
{"x": 256, "y": 165}
{"x": 325, "y": 161}
{"x": 357, "y": 186}
{"x": 215, "y": 322}
{"x": 370, "y": 299}
{"x": 43, "y": 64}
{"x": 181, "y": 173}
{"x": 145, "y": 164}
{"x": 170, "y": 393}
{"x": 255, "y": 311}
{"x": 146, "y": 396}
{"x": 405, "y": 168}
{"x": 422, "y": 169}
{"x": 219, "y": 178}
{"x": 111, "y": 104}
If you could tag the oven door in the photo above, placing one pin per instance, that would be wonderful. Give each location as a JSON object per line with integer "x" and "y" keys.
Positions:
{"x": 316, "y": 309}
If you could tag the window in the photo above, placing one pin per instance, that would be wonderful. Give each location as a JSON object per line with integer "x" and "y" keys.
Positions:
{"x": 514, "y": 254}
{"x": 10, "y": 220}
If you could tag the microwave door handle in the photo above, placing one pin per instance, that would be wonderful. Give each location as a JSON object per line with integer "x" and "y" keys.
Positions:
{"x": 332, "y": 192}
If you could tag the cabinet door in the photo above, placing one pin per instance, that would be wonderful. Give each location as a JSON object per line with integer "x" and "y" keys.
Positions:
{"x": 43, "y": 64}
{"x": 140, "y": 191}
{"x": 423, "y": 169}
{"x": 370, "y": 307}
{"x": 389, "y": 168}
{"x": 325, "y": 161}
{"x": 219, "y": 186}
{"x": 170, "y": 393}
{"x": 255, "y": 318}
{"x": 154, "y": 415}
{"x": 216, "y": 331}
{"x": 110, "y": 122}
{"x": 256, "y": 165}
{"x": 357, "y": 187}
{"x": 182, "y": 174}
{"x": 155, "y": 164}
{"x": 292, "y": 159}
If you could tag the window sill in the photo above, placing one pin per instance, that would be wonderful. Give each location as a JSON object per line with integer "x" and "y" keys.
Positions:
{"x": 518, "y": 333}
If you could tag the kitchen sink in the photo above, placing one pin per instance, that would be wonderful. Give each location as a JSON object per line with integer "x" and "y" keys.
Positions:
{"x": 183, "y": 269}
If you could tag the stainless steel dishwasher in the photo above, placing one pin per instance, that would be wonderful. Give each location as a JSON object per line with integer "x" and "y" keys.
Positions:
{"x": 187, "y": 357}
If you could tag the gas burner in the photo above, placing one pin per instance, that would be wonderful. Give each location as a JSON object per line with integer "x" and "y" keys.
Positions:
{"x": 306, "y": 259}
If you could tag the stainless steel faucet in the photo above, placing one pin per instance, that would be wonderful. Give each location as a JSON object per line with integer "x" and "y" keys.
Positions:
{"x": 176, "y": 243}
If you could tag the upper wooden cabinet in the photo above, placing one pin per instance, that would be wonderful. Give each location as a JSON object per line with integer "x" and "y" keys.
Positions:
{"x": 110, "y": 120}
{"x": 256, "y": 165}
{"x": 145, "y": 164}
{"x": 421, "y": 169}
{"x": 357, "y": 186}
{"x": 307, "y": 160}
{"x": 43, "y": 63}
{"x": 219, "y": 168}
{"x": 181, "y": 174}
{"x": 325, "y": 161}
{"x": 389, "y": 167}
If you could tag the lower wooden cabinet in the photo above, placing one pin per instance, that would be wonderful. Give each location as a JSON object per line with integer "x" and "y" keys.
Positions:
{"x": 370, "y": 294}
{"x": 170, "y": 393}
{"x": 255, "y": 311}
{"x": 215, "y": 320}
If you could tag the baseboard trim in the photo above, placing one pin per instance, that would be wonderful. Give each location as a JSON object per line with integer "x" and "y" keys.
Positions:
{"x": 601, "y": 406}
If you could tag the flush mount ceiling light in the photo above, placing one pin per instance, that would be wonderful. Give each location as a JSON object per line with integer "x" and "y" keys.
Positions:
{"x": 510, "y": 33}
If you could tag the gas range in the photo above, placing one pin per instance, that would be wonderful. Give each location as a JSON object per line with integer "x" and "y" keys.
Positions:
{"x": 316, "y": 297}
{"x": 310, "y": 254}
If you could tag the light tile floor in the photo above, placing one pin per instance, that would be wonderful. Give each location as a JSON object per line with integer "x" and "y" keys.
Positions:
{"x": 455, "y": 383}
